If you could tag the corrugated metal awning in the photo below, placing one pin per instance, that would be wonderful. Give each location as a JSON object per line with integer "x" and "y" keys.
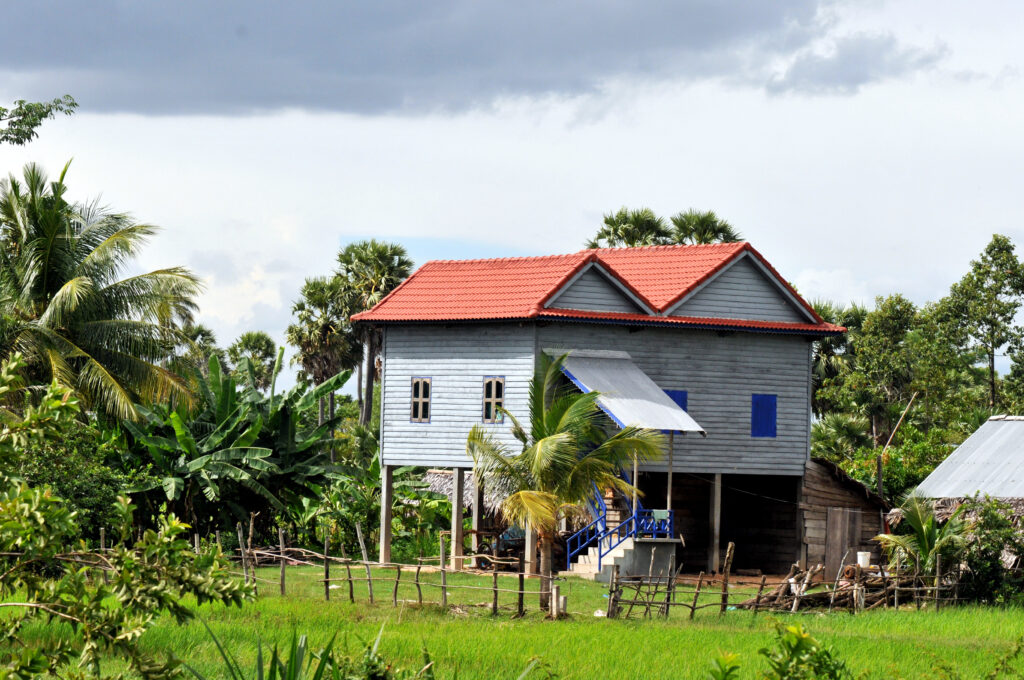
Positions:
{"x": 627, "y": 394}
{"x": 990, "y": 461}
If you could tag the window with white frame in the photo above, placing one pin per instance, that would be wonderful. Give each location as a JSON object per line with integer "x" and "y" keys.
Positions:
{"x": 494, "y": 398}
{"x": 420, "y": 412}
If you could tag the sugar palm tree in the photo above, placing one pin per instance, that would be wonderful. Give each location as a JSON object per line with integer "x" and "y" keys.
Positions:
{"x": 322, "y": 334}
{"x": 369, "y": 270}
{"x": 64, "y": 305}
{"x": 834, "y": 356}
{"x": 566, "y": 450}
{"x": 702, "y": 227}
{"x": 837, "y": 436}
{"x": 261, "y": 351}
{"x": 631, "y": 228}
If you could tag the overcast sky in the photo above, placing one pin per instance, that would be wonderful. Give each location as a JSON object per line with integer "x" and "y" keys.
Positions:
{"x": 864, "y": 147}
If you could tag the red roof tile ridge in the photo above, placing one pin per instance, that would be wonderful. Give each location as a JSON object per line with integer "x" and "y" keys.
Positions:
{"x": 517, "y": 258}
{"x": 673, "y": 246}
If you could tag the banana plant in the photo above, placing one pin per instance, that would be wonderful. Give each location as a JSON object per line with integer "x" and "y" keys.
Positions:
{"x": 233, "y": 443}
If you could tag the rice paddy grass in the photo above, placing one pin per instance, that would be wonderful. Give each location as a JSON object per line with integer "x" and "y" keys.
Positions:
{"x": 466, "y": 639}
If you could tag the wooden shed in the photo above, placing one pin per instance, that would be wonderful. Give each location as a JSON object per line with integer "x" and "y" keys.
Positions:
{"x": 840, "y": 516}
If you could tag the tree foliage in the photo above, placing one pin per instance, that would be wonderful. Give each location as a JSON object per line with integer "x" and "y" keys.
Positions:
{"x": 44, "y": 580}
{"x": 66, "y": 307}
{"x": 20, "y": 123}
{"x": 629, "y": 228}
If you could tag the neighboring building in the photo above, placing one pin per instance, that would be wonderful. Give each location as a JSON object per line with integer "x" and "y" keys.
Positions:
{"x": 989, "y": 463}
{"x": 688, "y": 339}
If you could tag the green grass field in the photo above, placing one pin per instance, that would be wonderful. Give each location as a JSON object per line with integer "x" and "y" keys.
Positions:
{"x": 888, "y": 644}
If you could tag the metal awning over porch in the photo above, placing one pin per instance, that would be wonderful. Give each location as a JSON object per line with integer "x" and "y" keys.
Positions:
{"x": 627, "y": 394}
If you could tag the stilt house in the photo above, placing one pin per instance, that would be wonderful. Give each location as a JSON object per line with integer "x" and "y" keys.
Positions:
{"x": 707, "y": 343}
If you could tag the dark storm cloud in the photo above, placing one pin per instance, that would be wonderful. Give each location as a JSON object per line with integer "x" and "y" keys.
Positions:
{"x": 366, "y": 57}
{"x": 855, "y": 61}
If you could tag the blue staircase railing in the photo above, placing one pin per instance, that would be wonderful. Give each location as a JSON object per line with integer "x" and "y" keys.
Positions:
{"x": 642, "y": 523}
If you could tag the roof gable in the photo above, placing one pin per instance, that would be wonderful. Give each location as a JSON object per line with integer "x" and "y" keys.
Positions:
{"x": 592, "y": 288}
{"x": 742, "y": 289}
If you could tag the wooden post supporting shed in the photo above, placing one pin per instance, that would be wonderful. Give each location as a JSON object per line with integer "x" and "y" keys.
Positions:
{"x": 715, "y": 526}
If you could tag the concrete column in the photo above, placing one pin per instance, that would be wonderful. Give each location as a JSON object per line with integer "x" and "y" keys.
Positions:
{"x": 458, "y": 507}
{"x": 532, "y": 565}
{"x": 387, "y": 499}
{"x": 715, "y": 524}
{"x": 478, "y": 513}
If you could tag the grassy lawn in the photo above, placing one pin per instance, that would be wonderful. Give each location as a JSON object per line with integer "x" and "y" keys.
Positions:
{"x": 888, "y": 644}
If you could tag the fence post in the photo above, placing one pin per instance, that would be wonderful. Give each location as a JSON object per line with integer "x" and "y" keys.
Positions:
{"x": 419, "y": 590}
{"x": 757, "y": 602}
{"x": 494, "y": 577}
{"x": 671, "y": 582}
{"x": 938, "y": 579}
{"x": 327, "y": 564}
{"x": 696, "y": 595}
{"x": 896, "y": 586}
{"x": 444, "y": 575}
{"x": 725, "y": 576}
{"x": 280, "y": 544}
{"x": 522, "y": 584}
{"x": 394, "y": 593}
{"x": 555, "y": 598}
{"x": 366, "y": 560}
{"x": 613, "y": 582}
{"x": 195, "y": 543}
{"x": 241, "y": 552}
{"x": 103, "y": 551}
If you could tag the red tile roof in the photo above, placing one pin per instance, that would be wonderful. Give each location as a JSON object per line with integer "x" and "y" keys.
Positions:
{"x": 519, "y": 287}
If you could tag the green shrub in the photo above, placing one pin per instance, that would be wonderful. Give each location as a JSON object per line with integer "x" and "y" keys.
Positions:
{"x": 993, "y": 535}
{"x": 74, "y": 467}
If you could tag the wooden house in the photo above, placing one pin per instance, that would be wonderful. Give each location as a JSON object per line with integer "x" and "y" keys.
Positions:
{"x": 708, "y": 343}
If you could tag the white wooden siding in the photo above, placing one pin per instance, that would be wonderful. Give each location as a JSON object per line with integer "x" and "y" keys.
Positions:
{"x": 456, "y": 358}
{"x": 740, "y": 292}
{"x": 592, "y": 291}
{"x": 719, "y": 373}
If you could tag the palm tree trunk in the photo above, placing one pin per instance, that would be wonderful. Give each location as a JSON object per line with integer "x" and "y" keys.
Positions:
{"x": 331, "y": 400}
{"x": 320, "y": 416}
{"x": 992, "y": 378}
{"x": 545, "y": 570}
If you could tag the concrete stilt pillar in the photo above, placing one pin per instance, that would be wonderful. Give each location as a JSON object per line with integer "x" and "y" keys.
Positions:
{"x": 458, "y": 507}
{"x": 715, "y": 524}
{"x": 387, "y": 499}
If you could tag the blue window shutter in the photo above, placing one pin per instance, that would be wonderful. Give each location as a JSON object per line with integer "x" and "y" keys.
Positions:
{"x": 762, "y": 415}
{"x": 678, "y": 396}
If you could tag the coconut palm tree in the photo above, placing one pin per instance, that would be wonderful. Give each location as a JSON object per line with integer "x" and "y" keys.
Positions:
{"x": 701, "y": 227}
{"x": 322, "y": 334}
{"x": 631, "y": 228}
{"x": 566, "y": 450}
{"x": 64, "y": 305}
{"x": 261, "y": 351}
{"x": 369, "y": 270}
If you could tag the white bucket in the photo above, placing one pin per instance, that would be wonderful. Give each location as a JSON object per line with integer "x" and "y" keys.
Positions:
{"x": 864, "y": 559}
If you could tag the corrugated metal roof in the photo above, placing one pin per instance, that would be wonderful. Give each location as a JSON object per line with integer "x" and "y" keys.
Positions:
{"x": 990, "y": 462}
{"x": 627, "y": 394}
